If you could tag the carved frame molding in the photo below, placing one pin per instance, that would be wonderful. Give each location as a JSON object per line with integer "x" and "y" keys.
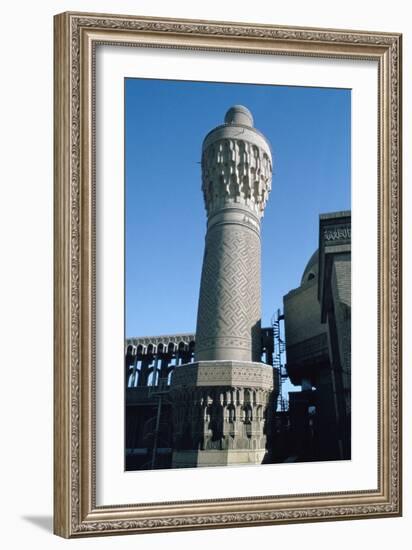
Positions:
{"x": 75, "y": 510}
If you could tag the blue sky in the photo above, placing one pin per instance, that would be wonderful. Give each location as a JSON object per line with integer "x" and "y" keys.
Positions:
{"x": 165, "y": 123}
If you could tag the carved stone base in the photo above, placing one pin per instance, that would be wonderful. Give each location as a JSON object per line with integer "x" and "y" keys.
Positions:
{"x": 222, "y": 412}
{"x": 194, "y": 459}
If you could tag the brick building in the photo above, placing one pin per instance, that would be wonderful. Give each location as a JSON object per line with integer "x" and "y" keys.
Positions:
{"x": 318, "y": 346}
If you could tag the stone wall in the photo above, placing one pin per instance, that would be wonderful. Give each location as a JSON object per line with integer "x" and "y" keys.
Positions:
{"x": 341, "y": 293}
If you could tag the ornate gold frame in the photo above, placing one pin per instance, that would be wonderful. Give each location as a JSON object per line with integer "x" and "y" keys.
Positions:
{"x": 75, "y": 510}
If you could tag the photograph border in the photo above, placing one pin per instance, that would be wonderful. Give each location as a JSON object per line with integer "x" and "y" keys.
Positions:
{"x": 76, "y": 36}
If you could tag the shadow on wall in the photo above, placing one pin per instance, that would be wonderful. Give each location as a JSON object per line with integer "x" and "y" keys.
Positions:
{"x": 43, "y": 522}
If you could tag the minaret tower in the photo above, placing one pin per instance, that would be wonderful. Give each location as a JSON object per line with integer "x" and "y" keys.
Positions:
{"x": 222, "y": 400}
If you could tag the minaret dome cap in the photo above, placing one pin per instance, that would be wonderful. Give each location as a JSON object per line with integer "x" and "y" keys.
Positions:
{"x": 238, "y": 114}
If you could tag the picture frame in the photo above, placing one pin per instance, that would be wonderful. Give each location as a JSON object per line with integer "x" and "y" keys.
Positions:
{"x": 76, "y": 510}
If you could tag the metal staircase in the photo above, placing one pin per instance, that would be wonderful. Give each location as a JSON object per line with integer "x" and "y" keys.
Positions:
{"x": 278, "y": 358}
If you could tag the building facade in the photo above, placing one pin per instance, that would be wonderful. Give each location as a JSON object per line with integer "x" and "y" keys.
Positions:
{"x": 318, "y": 346}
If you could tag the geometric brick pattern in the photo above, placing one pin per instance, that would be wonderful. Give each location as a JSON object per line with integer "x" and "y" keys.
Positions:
{"x": 229, "y": 300}
{"x": 226, "y": 373}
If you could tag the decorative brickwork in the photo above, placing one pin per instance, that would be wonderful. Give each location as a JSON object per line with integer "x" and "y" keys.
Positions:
{"x": 236, "y": 171}
{"x": 228, "y": 323}
{"x": 221, "y": 402}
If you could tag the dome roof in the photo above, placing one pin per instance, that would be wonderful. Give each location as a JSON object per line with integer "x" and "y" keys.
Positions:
{"x": 311, "y": 269}
{"x": 239, "y": 114}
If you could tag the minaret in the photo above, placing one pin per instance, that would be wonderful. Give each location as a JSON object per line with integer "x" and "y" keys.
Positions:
{"x": 222, "y": 400}
{"x": 237, "y": 174}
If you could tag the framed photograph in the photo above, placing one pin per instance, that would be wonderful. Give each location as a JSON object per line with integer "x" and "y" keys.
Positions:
{"x": 227, "y": 274}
